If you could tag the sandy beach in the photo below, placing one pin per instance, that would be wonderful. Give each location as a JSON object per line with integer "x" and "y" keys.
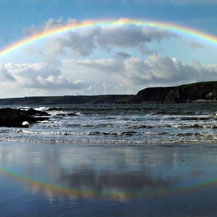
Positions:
{"x": 107, "y": 180}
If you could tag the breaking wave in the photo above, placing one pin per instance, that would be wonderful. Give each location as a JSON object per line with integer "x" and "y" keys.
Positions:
{"x": 130, "y": 124}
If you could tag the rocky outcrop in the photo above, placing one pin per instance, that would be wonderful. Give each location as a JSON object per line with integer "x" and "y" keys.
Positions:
{"x": 197, "y": 92}
{"x": 20, "y": 118}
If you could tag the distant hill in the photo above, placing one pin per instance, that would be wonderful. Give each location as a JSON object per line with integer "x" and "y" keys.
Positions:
{"x": 54, "y": 100}
{"x": 188, "y": 93}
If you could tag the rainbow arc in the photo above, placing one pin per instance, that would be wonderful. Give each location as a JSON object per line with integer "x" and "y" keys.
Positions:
{"x": 103, "y": 23}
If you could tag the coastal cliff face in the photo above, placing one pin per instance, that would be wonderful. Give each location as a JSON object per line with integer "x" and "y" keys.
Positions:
{"x": 198, "y": 92}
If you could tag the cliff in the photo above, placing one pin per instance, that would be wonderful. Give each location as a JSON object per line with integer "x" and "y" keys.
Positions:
{"x": 189, "y": 93}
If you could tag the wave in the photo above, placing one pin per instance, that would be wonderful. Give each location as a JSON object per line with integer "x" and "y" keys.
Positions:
{"x": 128, "y": 133}
{"x": 71, "y": 114}
{"x": 41, "y": 108}
{"x": 196, "y": 118}
{"x": 92, "y": 133}
{"x": 112, "y": 141}
{"x": 117, "y": 124}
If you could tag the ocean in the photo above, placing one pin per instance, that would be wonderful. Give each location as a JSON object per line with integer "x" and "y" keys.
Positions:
{"x": 112, "y": 160}
{"x": 115, "y": 124}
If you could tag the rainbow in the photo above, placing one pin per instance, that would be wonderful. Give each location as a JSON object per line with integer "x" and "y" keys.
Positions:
{"x": 102, "y": 23}
{"x": 62, "y": 191}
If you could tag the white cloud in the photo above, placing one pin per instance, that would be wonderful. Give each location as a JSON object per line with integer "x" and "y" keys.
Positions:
{"x": 85, "y": 41}
{"x": 131, "y": 37}
{"x": 51, "y": 23}
{"x": 103, "y": 65}
{"x": 5, "y": 74}
{"x": 154, "y": 71}
{"x": 78, "y": 42}
{"x": 101, "y": 76}
{"x": 37, "y": 75}
{"x": 56, "y": 82}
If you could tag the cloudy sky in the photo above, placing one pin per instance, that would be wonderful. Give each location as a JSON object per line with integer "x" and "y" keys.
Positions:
{"x": 119, "y": 59}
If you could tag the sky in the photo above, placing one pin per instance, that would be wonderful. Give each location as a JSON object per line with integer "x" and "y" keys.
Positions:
{"x": 121, "y": 59}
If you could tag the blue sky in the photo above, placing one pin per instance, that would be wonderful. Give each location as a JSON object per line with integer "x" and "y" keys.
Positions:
{"x": 78, "y": 64}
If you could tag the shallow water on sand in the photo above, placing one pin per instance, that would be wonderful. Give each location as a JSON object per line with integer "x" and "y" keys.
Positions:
{"x": 107, "y": 180}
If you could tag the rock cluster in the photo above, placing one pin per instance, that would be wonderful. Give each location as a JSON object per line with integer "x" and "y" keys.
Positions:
{"x": 20, "y": 118}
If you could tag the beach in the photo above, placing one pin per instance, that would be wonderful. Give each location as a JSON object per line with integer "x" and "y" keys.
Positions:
{"x": 107, "y": 180}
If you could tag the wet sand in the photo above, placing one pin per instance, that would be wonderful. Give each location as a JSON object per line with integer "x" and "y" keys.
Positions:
{"x": 108, "y": 180}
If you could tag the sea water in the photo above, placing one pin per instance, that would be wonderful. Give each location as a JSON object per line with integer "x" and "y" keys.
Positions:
{"x": 114, "y": 124}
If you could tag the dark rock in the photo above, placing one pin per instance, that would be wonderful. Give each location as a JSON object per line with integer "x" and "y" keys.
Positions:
{"x": 34, "y": 112}
{"x": 16, "y": 117}
{"x": 129, "y": 133}
{"x": 62, "y": 115}
{"x": 54, "y": 109}
{"x": 73, "y": 114}
{"x": 67, "y": 114}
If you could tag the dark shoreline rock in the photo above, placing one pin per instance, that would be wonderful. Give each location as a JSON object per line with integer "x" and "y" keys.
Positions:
{"x": 16, "y": 117}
